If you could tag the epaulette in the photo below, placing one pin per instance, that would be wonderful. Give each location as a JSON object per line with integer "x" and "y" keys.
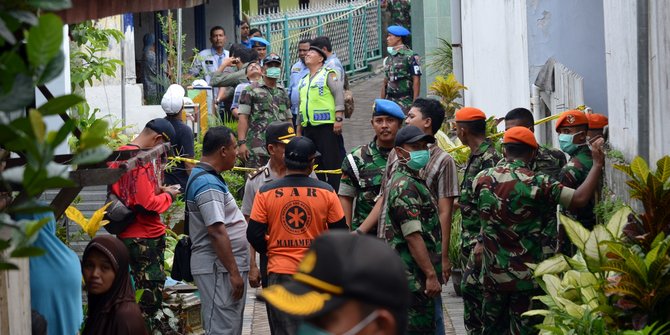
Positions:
{"x": 258, "y": 172}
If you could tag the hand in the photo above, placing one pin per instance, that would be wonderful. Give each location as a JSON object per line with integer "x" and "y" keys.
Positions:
{"x": 433, "y": 287}
{"x": 597, "y": 151}
{"x": 337, "y": 128}
{"x": 227, "y": 62}
{"x": 172, "y": 190}
{"x": 237, "y": 283}
{"x": 243, "y": 152}
{"x": 254, "y": 276}
{"x": 446, "y": 269}
{"x": 478, "y": 252}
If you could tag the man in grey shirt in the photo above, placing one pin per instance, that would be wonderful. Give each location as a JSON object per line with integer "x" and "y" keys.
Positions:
{"x": 220, "y": 254}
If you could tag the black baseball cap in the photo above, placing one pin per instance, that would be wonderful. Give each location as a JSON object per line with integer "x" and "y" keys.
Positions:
{"x": 279, "y": 132}
{"x": 300, "y": 150}
{"x": 340, "y": 266}
{"x": 412, "y": 134}
{"x": 317, "y": 49}
{"x": 162, "y": 127}
{"x": 272, "y": 58}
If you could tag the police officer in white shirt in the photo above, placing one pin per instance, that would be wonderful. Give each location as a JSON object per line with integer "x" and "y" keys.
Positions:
{"x": 209, "y": 60}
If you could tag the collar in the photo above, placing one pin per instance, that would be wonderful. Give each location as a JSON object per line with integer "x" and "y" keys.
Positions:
{"x": 483, "y": 147}
{"x": 214, "y": 53}
{"x": 207, "y": 167}
{"x": 517, "y": 163}
{"x": 384, "y": 152}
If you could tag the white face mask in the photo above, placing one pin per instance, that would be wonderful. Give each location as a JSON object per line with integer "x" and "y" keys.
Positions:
{"x": 307, "y": 328}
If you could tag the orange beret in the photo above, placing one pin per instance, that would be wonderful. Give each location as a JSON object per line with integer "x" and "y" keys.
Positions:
{"x": 521, "y": 135}
{"x": 470, "y": 114}
{"x": 572, "y": 118}
{"x": 597, "y": 121}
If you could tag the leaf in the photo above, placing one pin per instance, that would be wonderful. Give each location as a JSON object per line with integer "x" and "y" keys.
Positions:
{"x": 51, "y": 5}
{"x": 5, "y": 33}
{"x": 625, "y": 169}
{"x": 38, "y": 125}
{"x": 31, "y": 228}
{"x": 663, "y": 169}
{"x": 594, "y": 251}
{"x": 44, "y": 40}
{"x": 24, "y": 16}
{"x": 537, "y": 312}
{"x": 93, "y": 155}
{"x": 27, "y": 252}
{"x": 138, "y": 295}
{"x": 640, "y": 168}
{"x": 7, "y": 266}
{"x": 60, "y": 104}
{"x": 53, "y": 69}
{"x": 618, "y": 221}
{"x": 22, "y": 94}
{"x": 55, "y": 138}
{"x": 553, "y": 265}
{"x": 75, "y": 215}
{"x": 577, "y": 233}
{"x": 553, "y": 287}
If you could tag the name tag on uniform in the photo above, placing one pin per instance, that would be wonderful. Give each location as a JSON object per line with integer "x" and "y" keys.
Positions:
{"x": 209, "y": 62}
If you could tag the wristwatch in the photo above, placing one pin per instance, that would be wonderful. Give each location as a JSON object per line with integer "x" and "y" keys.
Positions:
{"x": 240, "y": 142}
{"x": 338, "y": 119}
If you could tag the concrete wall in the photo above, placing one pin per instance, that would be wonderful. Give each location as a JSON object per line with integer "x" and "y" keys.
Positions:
{"x": 220, "y": 13}
{"x": 659, "y": 79}
{"x": 431, "y": 20}
{"x": 494, "y": 43}
{"x": 573, "y": 32}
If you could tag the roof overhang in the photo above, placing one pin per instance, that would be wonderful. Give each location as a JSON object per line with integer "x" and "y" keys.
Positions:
{"x": 83, "y": 10}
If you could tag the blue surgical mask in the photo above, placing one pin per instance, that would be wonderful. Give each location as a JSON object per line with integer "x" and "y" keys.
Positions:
{"x": 273, "y": 72}
{"x": 307, "y": 328}
{"x": 566, "y": 143}
{"x": 392, "y": 51}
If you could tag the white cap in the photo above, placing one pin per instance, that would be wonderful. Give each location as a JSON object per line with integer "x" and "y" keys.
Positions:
{"x": 188, "y": 102}
{"x": 200, "y": 82}
{"x": 173, "y": 100}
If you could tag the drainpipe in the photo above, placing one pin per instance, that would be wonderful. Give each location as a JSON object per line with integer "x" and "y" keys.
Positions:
{"x": 456, "y": 40}
{"x": 179, "y": 46}
{"x": 537, "y": 111}
{"x": 643, "y": 78}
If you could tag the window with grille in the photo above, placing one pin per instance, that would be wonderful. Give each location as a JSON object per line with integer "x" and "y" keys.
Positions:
{"x": 265, "y": 6}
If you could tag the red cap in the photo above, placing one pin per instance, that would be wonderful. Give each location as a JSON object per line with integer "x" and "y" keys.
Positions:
{"x": 470, "y": 114}
{"x": 572, "y": 118}
{"x": 597, "y": 121}
{"x": 521, "y": 135}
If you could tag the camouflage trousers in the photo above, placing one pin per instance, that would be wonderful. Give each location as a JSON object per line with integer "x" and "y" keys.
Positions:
{"x": 502, "y": 312}
{"x": 258, "y": 157}
{"x": 146, "y": 267}
{"x": 405, "y": 102}
{"x": 472, "y": 292}
{"x": 421, "y": 314}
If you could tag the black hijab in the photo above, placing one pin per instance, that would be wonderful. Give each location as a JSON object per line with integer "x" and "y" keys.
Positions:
{"x": 115, "y": 311}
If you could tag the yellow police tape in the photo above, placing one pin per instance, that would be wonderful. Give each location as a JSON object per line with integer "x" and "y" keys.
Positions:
{"x": 246, "y": 169}
{"x": 339, "y": 171}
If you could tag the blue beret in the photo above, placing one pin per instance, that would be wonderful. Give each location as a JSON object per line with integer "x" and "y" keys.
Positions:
{"x": 259, "y": 40}
{"x": 387, "y": 107}
{"x": 398, "y": 31}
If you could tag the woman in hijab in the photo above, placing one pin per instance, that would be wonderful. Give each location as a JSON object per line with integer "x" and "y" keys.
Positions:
{"x": 111, "y": 298}
{"x": 150, "y": 69}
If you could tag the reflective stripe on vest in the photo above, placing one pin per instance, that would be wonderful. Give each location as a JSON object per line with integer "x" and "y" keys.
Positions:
{"x": 317, "y": 104}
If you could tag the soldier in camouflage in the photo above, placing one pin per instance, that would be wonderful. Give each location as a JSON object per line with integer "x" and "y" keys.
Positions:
{"x": 261, "y": 103}
{"x": 549, "y": 161}
{"x": 413, "y": 228}
{"x": 402, "y": 70}
{"x": 511, "y": 201}
{"x": 572, "y": 128}
{"x": 363, "y": 169}
{"x": 471, "y": 130}
{"x": 400, "y": 11}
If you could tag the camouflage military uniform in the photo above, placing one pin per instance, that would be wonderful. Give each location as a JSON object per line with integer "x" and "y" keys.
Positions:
{"x": 511, "y": 201}
{"x": 549, "y": 161}
{"x": 485, "y": 157}
{"x": 399, "y": 71}
{"x": 146, "y": 266}
{"x": 401, "y": 14}
{"x": 573, "y": 174}
{"x": 411, "y": 210}
{"x": 263, "y": 105}
{"x": 363, "y": 181}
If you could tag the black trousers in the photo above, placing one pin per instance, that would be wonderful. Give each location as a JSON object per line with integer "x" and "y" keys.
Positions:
{"x": 330, "y": 146}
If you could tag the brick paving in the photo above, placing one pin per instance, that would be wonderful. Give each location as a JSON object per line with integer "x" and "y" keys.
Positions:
{"x": 357, "y": 131}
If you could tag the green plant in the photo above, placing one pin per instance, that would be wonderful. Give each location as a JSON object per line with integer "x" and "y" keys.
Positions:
{"x": 440, "y": 59}
{"x": 449, "y": 91}
{"x": 31, "y": 56}
{"x": 86, "y": 61}
{"x": 455, "y": 240}
{"x": 169, "y": 43}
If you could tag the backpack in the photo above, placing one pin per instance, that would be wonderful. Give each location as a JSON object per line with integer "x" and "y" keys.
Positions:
{"x": 181, "y": 262}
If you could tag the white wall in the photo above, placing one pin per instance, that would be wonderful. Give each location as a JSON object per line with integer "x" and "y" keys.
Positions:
{"x": 659, "y": 79}
{"x": 220, "y": 13}
{"x": 495, "y": 51}
{"x": 621, "y": 64}
{"x": 572, "y": 32}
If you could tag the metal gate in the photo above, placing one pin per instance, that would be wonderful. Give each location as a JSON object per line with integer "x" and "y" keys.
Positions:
{"x": 354, "y": 29}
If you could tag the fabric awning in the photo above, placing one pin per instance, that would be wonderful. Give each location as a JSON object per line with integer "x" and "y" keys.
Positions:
{"x": 83, "y": 10}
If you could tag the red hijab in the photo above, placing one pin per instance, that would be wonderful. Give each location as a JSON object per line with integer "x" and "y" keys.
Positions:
{"x": 115, "y": 311}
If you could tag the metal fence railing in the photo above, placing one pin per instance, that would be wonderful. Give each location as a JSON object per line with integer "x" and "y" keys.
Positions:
{"x": 354, "y": 29}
